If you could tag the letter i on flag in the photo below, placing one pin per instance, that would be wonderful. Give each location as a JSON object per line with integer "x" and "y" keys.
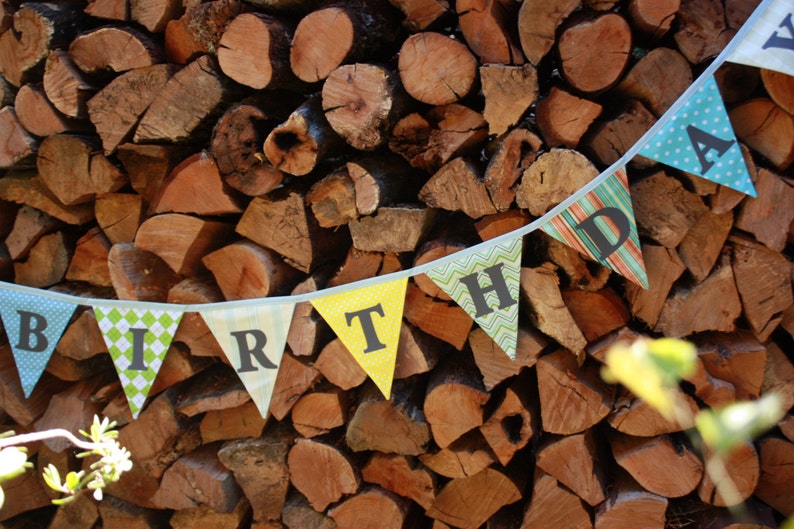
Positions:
{"x": 137, "y": 341}
{"x": 770, "y": 42}
{"x": 601, "y": 224}
{"x": 699, "y": 139}
{"x": 367, "y": 321}
{"x": 253, "y": 339}
{"x": 486, "y": 286}
{"x": 34, "y": 324}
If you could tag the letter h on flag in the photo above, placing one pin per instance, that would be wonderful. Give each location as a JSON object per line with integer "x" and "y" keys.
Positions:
{"x": 601, "y": 224}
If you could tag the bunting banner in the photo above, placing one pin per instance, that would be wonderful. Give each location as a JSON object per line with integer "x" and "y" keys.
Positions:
{"x": 253, "y": 338}
{"x": 601, "y": 224}
{"x": 486, "y": 285}
{"x": 699, "y": 139}
{"x": 769, "y": 43}
{"x": 367, "y": 321}
{"x": 34, "y": 325}
{"x": 137, "y": 341}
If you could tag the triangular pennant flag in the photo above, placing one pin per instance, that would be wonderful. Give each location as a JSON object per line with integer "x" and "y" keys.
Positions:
{"x": 601, "y": 224}
{"x": 34, "y": 324}
{"x": 699, "y": 139}
{"x": 770, "y": 41}
{"x": 486, "y": 286}
{"x": 367, "y": 320}
{"x": 253, "y": 339}
{"x": 137, "y": 340}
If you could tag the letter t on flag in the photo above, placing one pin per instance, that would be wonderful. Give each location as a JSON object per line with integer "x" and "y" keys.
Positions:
{"x": 486, "y": 286}
{"x": 34, "y": 325}
{"x": 253, "y": 339}
{"x": 137, "y": 341}
{"x": 367, "y": 321}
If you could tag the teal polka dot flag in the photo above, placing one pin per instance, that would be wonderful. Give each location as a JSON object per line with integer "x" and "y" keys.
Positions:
{"x": 699, "y": 139}
{"x": 34, "y": 325}
{"x": 137, "y": 341}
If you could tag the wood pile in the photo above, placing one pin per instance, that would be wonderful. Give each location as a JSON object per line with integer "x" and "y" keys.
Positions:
{"x": 192, "y": 152}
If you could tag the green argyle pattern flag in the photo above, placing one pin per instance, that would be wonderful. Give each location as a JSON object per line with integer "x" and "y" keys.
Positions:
{"x": 486, "y": 286}
{"x": 137, "y": 340}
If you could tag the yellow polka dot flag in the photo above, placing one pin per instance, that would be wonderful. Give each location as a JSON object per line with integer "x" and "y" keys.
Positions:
{"x": 367, "y": 320}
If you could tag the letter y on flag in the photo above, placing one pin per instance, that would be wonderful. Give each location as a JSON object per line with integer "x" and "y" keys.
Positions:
{"x": 367, "y": 321}
{"x": 34, "y": 324}
{"x": 253, "y": 339}
{"x": 601, "y": 224}
{"x": 770, "y": 42}
{"x": 486, "y": 286}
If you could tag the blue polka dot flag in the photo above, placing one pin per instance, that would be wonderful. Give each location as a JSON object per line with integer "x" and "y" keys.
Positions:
{"x": 699, "y": 139}
{"x": 34, "y": 325}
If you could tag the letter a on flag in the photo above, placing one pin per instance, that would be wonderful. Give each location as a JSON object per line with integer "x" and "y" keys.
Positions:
{"x": 367, "y": 321}
{"x": 770, "y": 42}
{"x": 34, "y": 324}
{"x": 601, "y": 224}
{"x": 699, "y": 139}
{"x": 137, "y": 341}
{"x": 486, "y": 286}
{"x": 253, "y": 339}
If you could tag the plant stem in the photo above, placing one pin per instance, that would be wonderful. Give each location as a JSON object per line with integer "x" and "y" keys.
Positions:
{"x": 32, "y": 437}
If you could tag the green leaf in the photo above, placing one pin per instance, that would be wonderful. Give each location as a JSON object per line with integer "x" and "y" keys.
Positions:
{"x": 13, "y": 461}
{"x": 73, "y": 480}
{"x": 725, "y": 428}
{"x": 52, "y": 477}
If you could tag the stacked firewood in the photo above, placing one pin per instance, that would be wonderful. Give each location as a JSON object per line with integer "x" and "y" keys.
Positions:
{"x": 189, "y": 152}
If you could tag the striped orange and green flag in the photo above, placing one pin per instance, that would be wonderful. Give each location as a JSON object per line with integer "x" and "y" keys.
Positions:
{"x": 601, "y": 224}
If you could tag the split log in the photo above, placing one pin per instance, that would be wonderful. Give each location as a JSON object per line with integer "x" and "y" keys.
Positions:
{"x": 333, "y": 199}
{"x": 154, "y": 14}
{"x": 237, "y": 148}
{"x": 553, "y": 505}
{"x": 779, "y": 87}
{"x": 763, "y": 216}
{"x": 308, "y": 331}
{"x": 37, "y": 29}
{"x": 737, "y": 358}
{"x": 82, "y": 513}
{"x": 71, "y": 410}
{"x": 82, "y": 339}
{"x": 24, "y": 411}
{"x": 713, "y": 391}
{"x": 563, "y": 117}
{"x": 494, "y": 365}
{"x": 65, "y": 85}
{"x": 47, "y": 261}
{"x": 422, "y": 14}
{"x": 30, "y": 225}
{"x": 468, "y": 502}
{"x": 139, "y": 275}
{"x": 417, "y": 352}
{"x": 319, "y": 412}
{"x": 321, "y": 472}
{"x": 629, "y": 506}
{"x": 299, "y": 144}
{"x": 430, "y": 140}
{"x": 148, "y": 165}
{"x": 537, "y": 26}
{"x": 362, "y": 103}
{"x": 294, "y": 378}
{"x": 114, "y": 49}
{"x": 436, "y": 69}
{"x": 454, "y": 401}
{"x": 509, "y": 91}
{"x": 119, "y": 514}
{"x": 577, "y": 267}
{"x": 283, "y": 223}
{"x": 596, "y": 313}
{"x": 23, "y": 493}
{"x": 608, "y": 141}
{"x": 778, "y": 375}
{"x": 743, "y": 470}
{"x": 260, "y": 468}
{"x": 593, "y": 69}
{"x": 572, "y": 398}
{"x": 513, "y": 423}
{"x": 89, "y": 262}
{"x": 119, "y": 215}
{"x": 186, "y": 105}
{"x": 188, "y": 518}
{"x": 18, "y": 146}
{"x": 659, "y": 78}
{"x": 488, "y": 30}
{"x": 702, "y": 30}
{"x": 540, "y": 294}
{"x": 634, "y": 416}
{"x": 397, "y": 425}
{"x": 468, "y": 455}
{"x": 232, "y": 424}
{"x": 338, "y": 34}
{"x": 552, "y": 178}
{"x": 108, "y": 9}
{"x": 663, "y": 267}
{"x": 394, "y": 229}
{"x": 664, "y": 465}
{"x": 381, "y": 180}
{"x": 775, "y": 483}
{"x": 458, "y": 186}
{"x": 245, "y": 270}
{"x": 571, "y": 461}
{"x": 298, "y": 514}
{"x": 73, "y": 170}
{"x": 653, "y": 18}
{"x": 39, "y": 117}
{"x": 372, "y": 508}
{"x": 765, "y": 127}
{"x": 403, "y": 475}
{"x": 116, "y": 109}
{"x": 501, "y": 223}
{"x": 198, "y": 30}
{"x": 701, "y": 246}
{"x": 338, "y": 366}
{"x": 513, "y": 154}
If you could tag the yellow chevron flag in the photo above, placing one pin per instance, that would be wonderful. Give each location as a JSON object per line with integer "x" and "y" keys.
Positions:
{"x": 368, "y": 321}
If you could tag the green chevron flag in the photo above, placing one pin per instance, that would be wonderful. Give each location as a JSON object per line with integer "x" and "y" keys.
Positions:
{"x": 486, "y": 286}
{"x": 137, "y": 340}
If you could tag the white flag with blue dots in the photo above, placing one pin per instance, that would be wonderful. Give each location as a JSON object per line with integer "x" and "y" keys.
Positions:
{"x": 34, "y": 325}
{"x": 699, "y": 139}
